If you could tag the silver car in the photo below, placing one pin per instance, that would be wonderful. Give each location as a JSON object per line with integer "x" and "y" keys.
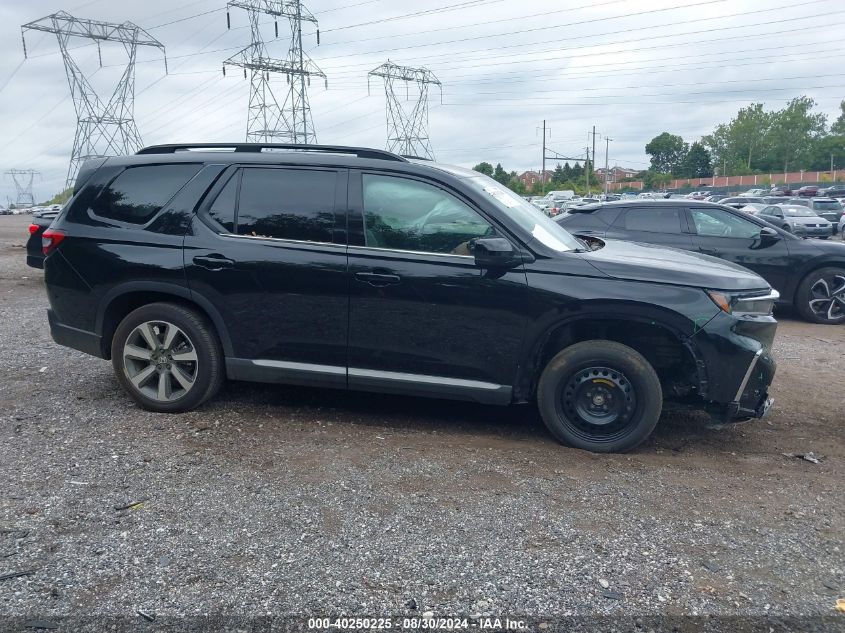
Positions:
{"x": 797, "y": 219}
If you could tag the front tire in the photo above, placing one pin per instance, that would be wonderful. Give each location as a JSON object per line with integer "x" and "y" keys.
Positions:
{"x": 820, "y": 297}
{"x": 167, "y": 358}
{"x": 600, "y": 396}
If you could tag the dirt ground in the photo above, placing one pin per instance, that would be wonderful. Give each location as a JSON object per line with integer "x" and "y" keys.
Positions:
{"x": 297, "y": 501}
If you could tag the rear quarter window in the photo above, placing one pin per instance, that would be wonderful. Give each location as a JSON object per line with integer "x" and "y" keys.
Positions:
{"x": 139, "y": 193}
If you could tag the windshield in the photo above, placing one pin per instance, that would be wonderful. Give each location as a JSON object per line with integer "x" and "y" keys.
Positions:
{"x": 527, "y": 216}
{"x": 797, "y": 212}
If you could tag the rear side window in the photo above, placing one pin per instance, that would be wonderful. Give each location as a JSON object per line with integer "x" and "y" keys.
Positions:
{"x": 653, "y": 219}
{"x": 292, "y": 204}
{"x": 138, "y": 193}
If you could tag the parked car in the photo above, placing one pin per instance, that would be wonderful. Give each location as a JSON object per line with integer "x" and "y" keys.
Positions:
{"x": 797, "y": 219}
{"x": 359, "y": 269}
{"x": 628, "y": 195}
{"x": 781, "y": 190}
{"x": 754, "y": 193}
{"x": 739, "y": 201}
{"x": 804, "y": 272}
{"x": 699, "y": 195}
{"x": 34, "y": 253}
{"x": 827, "y": 208}
{"x": 776, "y": 199}
{"x": 833, "y": 191}
{"x": 808, "y": 191}
{"x": 753, "y": 208}
{"x": 841, "y": 228}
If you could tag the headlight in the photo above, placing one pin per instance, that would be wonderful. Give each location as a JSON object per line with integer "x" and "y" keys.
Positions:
{"x": 745, "y": 303}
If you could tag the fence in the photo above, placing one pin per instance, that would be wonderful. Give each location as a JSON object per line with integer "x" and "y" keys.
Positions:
{"x": 755, "y": 180}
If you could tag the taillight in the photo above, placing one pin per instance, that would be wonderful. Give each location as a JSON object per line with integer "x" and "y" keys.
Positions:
{"x": 50, "y": 239}
{"x": 33, "y": 228}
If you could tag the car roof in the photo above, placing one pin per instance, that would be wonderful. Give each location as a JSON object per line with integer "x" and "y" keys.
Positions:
{"x": 661, "y": 202}
{"x": 275, "y": 154}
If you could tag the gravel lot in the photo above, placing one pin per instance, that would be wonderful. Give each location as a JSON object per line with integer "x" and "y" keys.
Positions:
{"x": 274, "y": 500}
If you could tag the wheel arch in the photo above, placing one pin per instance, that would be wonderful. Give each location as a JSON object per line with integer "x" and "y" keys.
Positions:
{"x": 667, "y": 345}
{"x": 809, "y": 268}
{"x": 121, "y": 300}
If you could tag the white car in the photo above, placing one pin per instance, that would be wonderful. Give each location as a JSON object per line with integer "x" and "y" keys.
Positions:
{"x": 753, "y": 193}
{"x": 841, "y": 228}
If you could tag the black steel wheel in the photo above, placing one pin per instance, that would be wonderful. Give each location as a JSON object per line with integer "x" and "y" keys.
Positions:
{"x": 600, "y": 396}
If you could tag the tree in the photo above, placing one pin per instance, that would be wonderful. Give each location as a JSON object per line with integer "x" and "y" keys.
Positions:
{"x": 667, "y": 152}
{"x": 794, "y": 131}
{"x": 838, "y": 127}
{"x": 500, "y": 175}
{"x": 696, "y": 163}
{"x": 484, "y": 168}
{"x": 656, "y": 180}
{"x": 558, "y": 177}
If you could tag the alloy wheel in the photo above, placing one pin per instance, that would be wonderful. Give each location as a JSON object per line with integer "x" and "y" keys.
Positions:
{"x": 827, "y": 297}
{"x": 160, "y": 361}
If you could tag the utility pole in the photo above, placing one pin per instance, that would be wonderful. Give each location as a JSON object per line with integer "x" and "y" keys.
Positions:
{"x": 593, "y": 134}
{"x": 268, "y": 121}
{"x": 407, "y": 128}
{"x": 606, "y": 172}
{"x": 587, "y": 169}
{"x": 543, "y": 158}
{"x": 23, "y": 186}
{"x": 103, "y": 128}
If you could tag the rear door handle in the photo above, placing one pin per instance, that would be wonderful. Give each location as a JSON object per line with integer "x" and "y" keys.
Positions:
{"x": 378, "y": 279}
{"x": 213, "y": 262}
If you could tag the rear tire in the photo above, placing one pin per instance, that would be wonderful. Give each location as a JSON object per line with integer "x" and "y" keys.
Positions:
{"x": 167, "y": 357}
{"x": 600, "y": 396}
{"x": 820, "y": 297}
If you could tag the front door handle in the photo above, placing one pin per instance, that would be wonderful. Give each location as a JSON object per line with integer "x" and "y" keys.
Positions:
{"x": 213, "y": 262}
{"x": 709, "y": 251}
{"x": 378, "y": 279}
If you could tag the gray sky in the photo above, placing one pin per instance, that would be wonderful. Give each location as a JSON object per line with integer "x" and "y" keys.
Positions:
{"x": 632, "y": 68}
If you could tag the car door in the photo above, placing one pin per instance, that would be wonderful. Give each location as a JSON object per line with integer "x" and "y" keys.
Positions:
{"x": 733, "y": 237}
{"x": 423, "y": 318}
{"x": 267, "y": 251}
{"x": 663, "y": 224}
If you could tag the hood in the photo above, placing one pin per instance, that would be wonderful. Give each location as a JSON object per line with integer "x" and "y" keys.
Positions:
{"x": 661, "y": 264}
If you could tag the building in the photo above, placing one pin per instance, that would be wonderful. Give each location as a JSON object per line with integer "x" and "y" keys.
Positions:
{"x": 531, "y": 178}
{"x": 616, "y": 173}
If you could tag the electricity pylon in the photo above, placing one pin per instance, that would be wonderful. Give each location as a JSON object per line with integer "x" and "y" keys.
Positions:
{"x": 407, "y": 129}
{"x": 268, "y": 121}
{"x": 102, "y": 128}
{"x": 23, "y": 186}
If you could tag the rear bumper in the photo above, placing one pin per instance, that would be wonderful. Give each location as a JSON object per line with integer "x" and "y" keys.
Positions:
{"x": 87, "y": 342}
{"x": 35, "y": 261}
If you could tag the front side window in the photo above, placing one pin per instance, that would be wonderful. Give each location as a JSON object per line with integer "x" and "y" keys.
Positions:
{"x": 653, "y": 219}
{"x": 138, "y": 193}
{"x": 718, "y": 223}
{"x": 291, "y": 204}
{"x": 405, "y": 214}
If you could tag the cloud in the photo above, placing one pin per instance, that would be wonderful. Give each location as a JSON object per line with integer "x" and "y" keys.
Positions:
{"x": 633, "y": 69}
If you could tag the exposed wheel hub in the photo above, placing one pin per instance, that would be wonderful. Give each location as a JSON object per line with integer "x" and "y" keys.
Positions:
{"x": 599, "y": 400}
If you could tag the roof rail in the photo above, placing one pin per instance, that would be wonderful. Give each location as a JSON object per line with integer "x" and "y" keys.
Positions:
{"x": 360, "y": 152}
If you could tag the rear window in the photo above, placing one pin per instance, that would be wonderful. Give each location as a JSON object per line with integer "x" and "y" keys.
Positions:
{"x": 138, "y": 193}
{"x": 827, "y": 205}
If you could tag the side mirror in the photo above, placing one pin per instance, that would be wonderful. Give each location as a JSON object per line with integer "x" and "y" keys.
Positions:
{"x": 495, "y": 252}
{"x": 769, "y": 235}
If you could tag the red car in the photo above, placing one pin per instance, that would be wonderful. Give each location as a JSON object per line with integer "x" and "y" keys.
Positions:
{"x": 808, "y": 191}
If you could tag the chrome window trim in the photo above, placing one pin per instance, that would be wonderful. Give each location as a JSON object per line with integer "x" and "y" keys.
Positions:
{"x": 398, "y": 250}
{"x": 282, "y": 239}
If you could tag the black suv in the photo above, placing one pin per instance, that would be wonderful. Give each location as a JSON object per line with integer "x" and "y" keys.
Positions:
{"x": 808, "y": 274}
{"x": 360, "y": 269}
